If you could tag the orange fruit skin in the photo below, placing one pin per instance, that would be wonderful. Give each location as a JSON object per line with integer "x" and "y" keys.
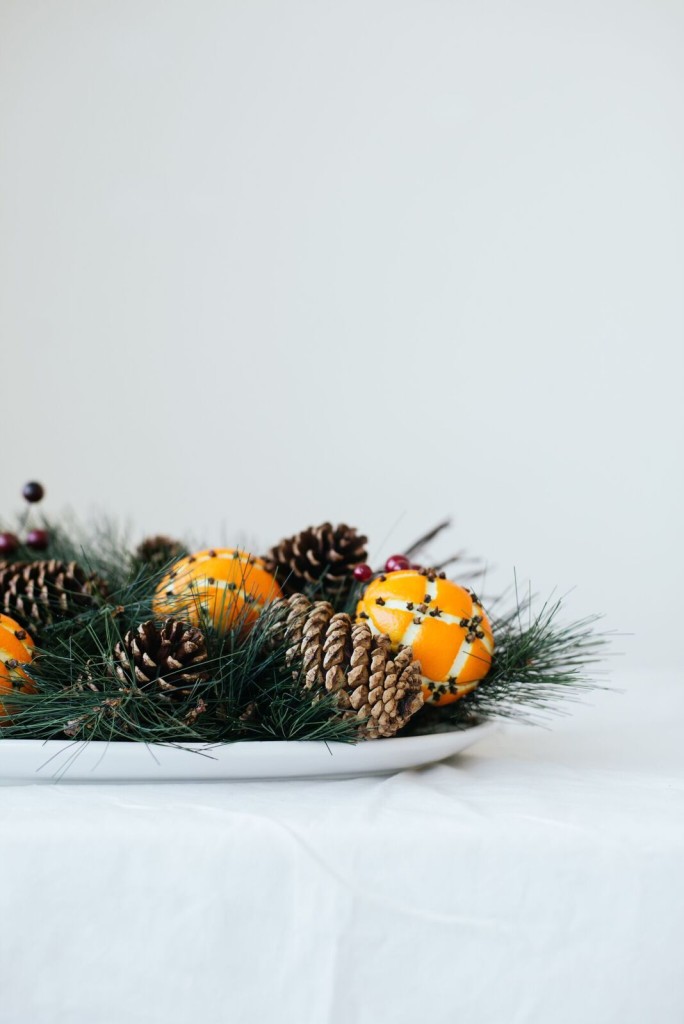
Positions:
{"x": 435, "y": 617}
{"x": 224, "y": 586}
{"x": 15, "y": 646}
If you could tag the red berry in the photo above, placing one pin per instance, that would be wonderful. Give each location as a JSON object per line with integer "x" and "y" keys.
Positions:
{"x": 9, "y": 543}
{"x": 33, "y": 491}
{"x": 396, "y": 563}
{"x": 362, "y": 572}
{"x": 37, "y": 539}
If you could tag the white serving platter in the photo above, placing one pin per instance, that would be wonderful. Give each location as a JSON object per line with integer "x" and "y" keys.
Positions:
{"x": 97, "y": 761}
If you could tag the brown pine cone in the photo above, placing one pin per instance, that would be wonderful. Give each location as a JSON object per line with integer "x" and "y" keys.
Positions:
{"x": 389, "y": 690}
{"x": 159, "y": 551}
{"x": 321, "y": 557}
{"x": 169, "y": 657}
{"x": 300, "y": 624}
{"x": 381, "y": 691}
{"x": 40, "y": 592}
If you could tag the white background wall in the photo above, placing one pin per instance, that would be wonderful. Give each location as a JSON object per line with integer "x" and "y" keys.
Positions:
{"x": 266, "y": 263}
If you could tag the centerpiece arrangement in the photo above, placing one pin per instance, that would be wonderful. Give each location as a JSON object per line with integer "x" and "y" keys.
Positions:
{"x": 306, "y": 640}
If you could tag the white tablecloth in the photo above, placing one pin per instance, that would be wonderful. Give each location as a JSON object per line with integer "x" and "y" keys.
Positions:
{"x": 538, "y": 878}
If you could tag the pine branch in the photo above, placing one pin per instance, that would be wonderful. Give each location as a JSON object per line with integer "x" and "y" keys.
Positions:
{"x": 539, "y": 665}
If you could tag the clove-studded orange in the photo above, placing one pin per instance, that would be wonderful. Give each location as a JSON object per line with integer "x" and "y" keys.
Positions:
{"x": 225, "y": 587}
{"x": 444, "y": 623}
{"x": 16, "y": 649}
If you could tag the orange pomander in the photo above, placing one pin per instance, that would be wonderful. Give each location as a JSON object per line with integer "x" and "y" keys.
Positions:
{"x": 16, "y": 648}
{"x": 223, "y": 586}
{"x": 444, "y": 623}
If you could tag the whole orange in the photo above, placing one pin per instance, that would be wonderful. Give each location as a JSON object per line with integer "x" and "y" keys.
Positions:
{"x": 16, "y": 649}
{"x": 223, "y": 586}
{"x": 444, "y": 623}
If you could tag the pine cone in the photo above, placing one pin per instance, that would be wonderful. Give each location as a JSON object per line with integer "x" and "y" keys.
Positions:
{"x": 169, "y": 657}
{"x": 326, "y": 651}
{"x": 386, "y": 690}
{"x": 40, "y": 592}
{"x": 322, "y": 556}
{"x": 159, "y": 551}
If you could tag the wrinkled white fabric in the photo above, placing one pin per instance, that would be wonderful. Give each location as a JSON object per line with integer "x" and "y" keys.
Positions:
{"x": 535, "y": 880}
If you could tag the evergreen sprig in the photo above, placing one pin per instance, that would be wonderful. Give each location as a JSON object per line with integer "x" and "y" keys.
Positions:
{"x": 540, "y": 662}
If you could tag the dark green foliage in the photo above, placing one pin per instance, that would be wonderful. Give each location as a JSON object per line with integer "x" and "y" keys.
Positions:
{"x": 539, "y": 663}
{"x": 250, "y": 693}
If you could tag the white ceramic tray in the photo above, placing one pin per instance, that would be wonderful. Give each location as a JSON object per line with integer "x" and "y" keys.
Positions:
{"x": 96, "y": 761}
